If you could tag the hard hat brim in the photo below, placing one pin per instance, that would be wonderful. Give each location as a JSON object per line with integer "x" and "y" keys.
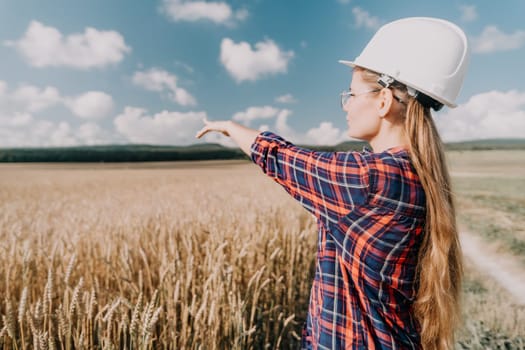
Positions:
{"x": 347, "y": 63}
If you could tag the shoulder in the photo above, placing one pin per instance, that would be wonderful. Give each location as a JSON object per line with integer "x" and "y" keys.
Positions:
{"x": 395, "y": 159}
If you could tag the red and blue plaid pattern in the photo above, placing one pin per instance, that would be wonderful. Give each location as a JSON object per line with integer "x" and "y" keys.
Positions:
{"x": 370, "y": 209}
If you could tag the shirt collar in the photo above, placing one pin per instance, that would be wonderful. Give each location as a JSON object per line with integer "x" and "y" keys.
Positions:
{"x": 395, "y": 149}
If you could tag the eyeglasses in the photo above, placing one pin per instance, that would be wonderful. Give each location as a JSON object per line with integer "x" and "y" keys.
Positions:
{"x": 345, "y": 95}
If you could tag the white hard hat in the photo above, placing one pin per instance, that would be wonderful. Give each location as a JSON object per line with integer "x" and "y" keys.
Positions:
{"x": 429, "y": 55}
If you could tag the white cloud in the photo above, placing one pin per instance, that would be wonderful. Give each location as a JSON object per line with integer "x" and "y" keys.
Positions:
{"x": 90, "y": 105}
{"x": 468, "y": 13}
{"x": 264, "y": 127}
{"x": 254, "y": 113}
{"x": 162, "y": 128}
{"x": 493, "y": 114}
{"x": 282, "y": 127}
{"x": 19, "y": 127}
{"x": 325, "y": 134}
{"x": 192, "y": 11}
{"x": 27, "y": 99}
{"x": 20, "y": 120}
{"x": 492, "y": 40}
{"x": 34, "y": 99}
{"x": 44, "y": 46}
{"x": 61, "y": 135}
{"x": 280, "y": 116}
{"x": 244, "y": 63}
{"x": 364, "y": 19}
{"x": 185, "y": 66}
{"x": 15, "y": 120}
{"x": 183, "y": 97}
{"x": 23, "y": 130}
{"x": 242, "y": 14}
{"x": 251, "y": 114}
{"x": 160, "y": 80}
{"x": 287, "y": 98}
{"x": 92, "y": 134}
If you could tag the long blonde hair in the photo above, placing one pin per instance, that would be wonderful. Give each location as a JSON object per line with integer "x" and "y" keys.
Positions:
{"x": 437, "y": 306}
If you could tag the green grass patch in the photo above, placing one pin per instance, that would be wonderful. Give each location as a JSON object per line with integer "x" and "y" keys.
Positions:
{"x": 493, "y": 208}
{"x": 491, "y": 319}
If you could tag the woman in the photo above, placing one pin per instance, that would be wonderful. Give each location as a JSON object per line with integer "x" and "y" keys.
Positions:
{"x": 388, "y": 270}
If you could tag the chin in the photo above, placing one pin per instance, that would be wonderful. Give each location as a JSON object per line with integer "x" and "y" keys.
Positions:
{"x": 353, "y": 135}
{"x": 357, "y": 136}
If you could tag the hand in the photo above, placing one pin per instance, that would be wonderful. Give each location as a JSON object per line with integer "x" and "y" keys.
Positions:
{"x": 240, "y": 134}
{"x": 220, "y": 126}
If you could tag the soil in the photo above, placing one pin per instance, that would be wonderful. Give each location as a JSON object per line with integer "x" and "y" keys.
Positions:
{"x": 504, "y": 269}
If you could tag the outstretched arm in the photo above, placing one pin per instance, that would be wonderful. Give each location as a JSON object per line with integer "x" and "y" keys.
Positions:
{"x": 327, "y": 184}
{"x": 240, "y": 134}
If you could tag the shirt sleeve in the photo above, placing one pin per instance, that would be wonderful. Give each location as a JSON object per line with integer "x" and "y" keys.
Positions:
{"x": 328, "y": 184}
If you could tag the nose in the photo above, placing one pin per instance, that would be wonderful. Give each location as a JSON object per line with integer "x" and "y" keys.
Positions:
{"x": 345, "y": 107}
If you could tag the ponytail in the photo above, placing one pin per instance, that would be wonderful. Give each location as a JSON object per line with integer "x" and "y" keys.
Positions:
{"x": 437, "y": 304}
{"x": 440, "y": 267}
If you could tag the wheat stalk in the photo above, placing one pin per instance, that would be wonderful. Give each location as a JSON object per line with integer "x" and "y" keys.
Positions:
{"x": 3, "y": 331}
{"x": 9, "y": 321}
{"x": 69, "y": 268}
{"x": 21, "y": 313}
{"x": 63, "y": 325}
{"x": 74, "y": 304}
{"x": 42, "y": 340}
{"x": 48, "y": 299}
{"x": 135, "y": 318}
{"x": 149, "y": 327}
{"x": 108, "y": 318}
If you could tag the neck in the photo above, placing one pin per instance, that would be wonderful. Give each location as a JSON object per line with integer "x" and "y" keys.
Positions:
{"x": 393, "y": 137}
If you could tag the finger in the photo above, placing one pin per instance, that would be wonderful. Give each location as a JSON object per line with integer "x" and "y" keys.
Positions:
{"x": 202, "y": 132}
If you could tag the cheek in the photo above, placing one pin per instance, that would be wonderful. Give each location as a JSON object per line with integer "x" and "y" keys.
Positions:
{"x": 356, "y": 118}
{"x": 361, "y": 125}
{"x": 356, "y": 125}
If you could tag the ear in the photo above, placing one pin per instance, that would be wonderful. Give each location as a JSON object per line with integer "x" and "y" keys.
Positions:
{"x": 385, "y": 101}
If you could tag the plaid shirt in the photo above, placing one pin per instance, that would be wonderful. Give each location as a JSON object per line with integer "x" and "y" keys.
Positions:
{"x": 370, "y": 210}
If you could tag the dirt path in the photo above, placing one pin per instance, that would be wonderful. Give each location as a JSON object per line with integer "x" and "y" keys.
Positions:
{"x": 504, "y": 269}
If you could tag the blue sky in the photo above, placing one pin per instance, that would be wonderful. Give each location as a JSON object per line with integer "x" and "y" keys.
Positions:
{"x": 113, "y": 72}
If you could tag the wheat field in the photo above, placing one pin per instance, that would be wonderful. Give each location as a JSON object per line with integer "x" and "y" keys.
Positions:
{"x": 208, "y": 255}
